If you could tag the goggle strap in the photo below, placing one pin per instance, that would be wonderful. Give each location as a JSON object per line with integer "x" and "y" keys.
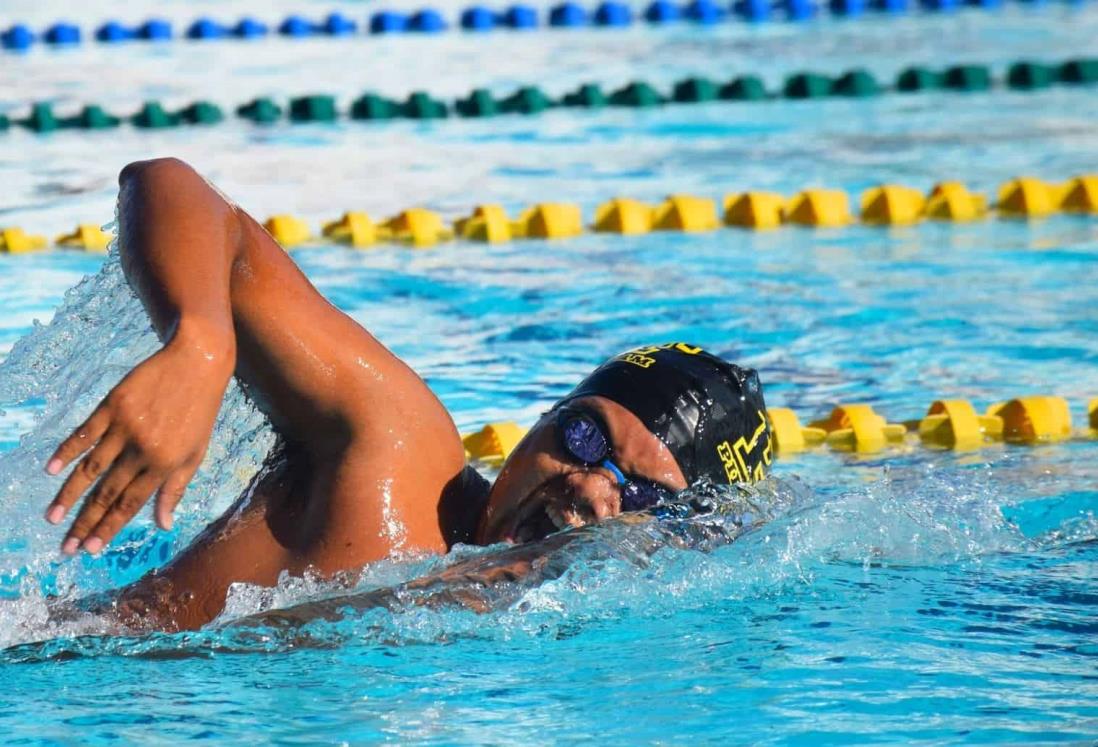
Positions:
{"x": 607, "y": 464}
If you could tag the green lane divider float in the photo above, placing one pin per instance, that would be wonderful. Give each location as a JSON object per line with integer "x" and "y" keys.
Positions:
{"x": 858, "y": 83}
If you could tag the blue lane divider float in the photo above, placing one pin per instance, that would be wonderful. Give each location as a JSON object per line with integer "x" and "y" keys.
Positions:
{"x": 207, "y": 28}
{"x": 246, "y": 28}
{"x": 479, "y": 18}
{"x": 155, "y": 29}
{"x": 18, "y": 37}
{"x": 62, "y": 33}
{"x": 662, "y": 11}
{"x": 569, "y": 15}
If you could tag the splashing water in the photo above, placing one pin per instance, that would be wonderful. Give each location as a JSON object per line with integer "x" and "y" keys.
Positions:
{"x": 65, "y": 368}
{"x": 786, "y": 534}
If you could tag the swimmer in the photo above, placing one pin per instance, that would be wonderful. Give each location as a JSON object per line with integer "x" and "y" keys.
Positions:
{"x": 368, "y": 461}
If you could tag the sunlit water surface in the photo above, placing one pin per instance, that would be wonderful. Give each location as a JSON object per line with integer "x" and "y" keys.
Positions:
{"x": 914, "y": 596}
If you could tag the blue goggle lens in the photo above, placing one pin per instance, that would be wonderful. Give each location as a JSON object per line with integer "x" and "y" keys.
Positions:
{"x": 584, "y": 440}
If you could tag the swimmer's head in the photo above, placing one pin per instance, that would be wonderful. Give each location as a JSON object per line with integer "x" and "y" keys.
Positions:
{"x": 708, "y": 412}
{"x": 670, "y": 415}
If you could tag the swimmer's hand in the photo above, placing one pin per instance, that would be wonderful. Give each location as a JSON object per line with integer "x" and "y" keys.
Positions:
{"x": 148, "y": 435}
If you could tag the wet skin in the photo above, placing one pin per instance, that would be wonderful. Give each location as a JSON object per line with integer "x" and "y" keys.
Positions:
{"x": 369, "y": 462}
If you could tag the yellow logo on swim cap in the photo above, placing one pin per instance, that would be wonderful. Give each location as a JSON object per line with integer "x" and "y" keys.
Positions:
{"x": 643, "y": 356}
{"x": 734, "y": 456}
{"x": 637, "y": 359}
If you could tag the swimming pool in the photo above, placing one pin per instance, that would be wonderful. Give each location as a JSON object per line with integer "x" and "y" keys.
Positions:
{"x": 914, "y": 595}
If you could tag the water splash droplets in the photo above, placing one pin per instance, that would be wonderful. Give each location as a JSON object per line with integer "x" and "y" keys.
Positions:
{"x": 64, "y": 368}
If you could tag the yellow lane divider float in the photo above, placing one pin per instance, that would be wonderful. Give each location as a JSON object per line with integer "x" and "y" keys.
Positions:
{"x": 888, "y": 204}
{"x": 354, "y": 228}
{"x": 948, "y": 424}
{"x": 87, "y": 236}
{"x": 494, "y": 442}
{"x": 885, "y": 205}
{"x": 16, "y": 241}
{"x": 951, "y": 201}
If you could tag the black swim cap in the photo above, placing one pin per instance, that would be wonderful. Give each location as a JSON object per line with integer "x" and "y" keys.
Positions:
{"x": 709, "y": 413}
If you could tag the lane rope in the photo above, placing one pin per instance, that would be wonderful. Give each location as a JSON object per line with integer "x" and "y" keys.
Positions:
{"x": 477, "y": 19}
{"x": 1023, "y": 75}
{"x": 885, "y": 205}
{"x": 953, "y": 424}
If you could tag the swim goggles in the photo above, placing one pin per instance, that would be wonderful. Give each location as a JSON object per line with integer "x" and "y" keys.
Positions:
{"x": 583, "y": 436}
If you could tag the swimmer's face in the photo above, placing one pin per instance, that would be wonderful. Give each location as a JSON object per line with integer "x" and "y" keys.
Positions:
{"x": 543, "y": 488}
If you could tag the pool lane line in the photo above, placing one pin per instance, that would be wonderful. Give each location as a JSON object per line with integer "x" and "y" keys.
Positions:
{"x": 885, "y": 205}
{"x": 479, "y": 19}
{"x": 858, "y": 83}
{"x": 856, "y": 428}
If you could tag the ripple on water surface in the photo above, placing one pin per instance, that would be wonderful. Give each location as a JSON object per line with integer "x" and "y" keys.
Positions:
{"x": 924, "y": 596}
{"x": 943, "y": 597}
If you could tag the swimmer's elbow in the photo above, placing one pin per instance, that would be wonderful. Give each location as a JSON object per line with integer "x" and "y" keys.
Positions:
{"x": 153, "y": 170}
{"x": 167, "y": 209}
{"x": 169, "y": 192}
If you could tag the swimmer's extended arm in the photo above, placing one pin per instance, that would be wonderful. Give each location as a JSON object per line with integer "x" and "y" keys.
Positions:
{"x": 491, "y": 581}
{"x": 371, "y": 444}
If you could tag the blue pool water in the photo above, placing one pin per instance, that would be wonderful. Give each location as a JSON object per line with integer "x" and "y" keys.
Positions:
{"x": 916, "y": 596}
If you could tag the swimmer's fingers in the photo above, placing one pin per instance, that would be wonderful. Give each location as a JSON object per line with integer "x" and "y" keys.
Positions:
{"x": 125, "y": 507}
{"x": 98, "y": 460}
{"x": 82, "y": 439}
{"x": 101, "y": 499}
{"x": 171, "y": 493}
